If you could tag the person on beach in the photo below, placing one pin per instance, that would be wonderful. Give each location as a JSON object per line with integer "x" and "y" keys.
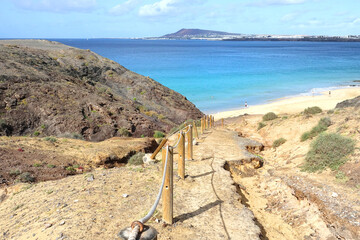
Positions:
{"x": 246, "y": 104}
{"x": 329, "y": 93}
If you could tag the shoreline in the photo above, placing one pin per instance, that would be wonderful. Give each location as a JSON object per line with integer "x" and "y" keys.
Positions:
{"x": 295, "y": 104}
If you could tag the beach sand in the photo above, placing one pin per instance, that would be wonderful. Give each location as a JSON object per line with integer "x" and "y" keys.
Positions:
{"x": 296, "y": 104}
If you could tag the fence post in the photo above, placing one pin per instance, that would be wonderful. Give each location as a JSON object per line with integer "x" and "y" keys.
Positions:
{"x": 206, "y": 121}
{"x": 181, "y": 161}
{"x": 159, "y": 148}
{"x": 167, "y": 192}
{"x": 222, "y": 123}
{"x": 190, "y": 144}
{"x": 202, "y": 125}
{"x": 196, "y": 135}
{"x": 210, "y": 122}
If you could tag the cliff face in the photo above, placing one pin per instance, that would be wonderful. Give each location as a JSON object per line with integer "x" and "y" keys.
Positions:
{"x": 47, "y": 88}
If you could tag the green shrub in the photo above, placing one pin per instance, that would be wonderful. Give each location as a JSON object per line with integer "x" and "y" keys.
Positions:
{"x": 124, "y": 132}
{"x": 50, "y": 139}
{"x": 261, "y": 125}
{"x": 312, "y": 110}
{"x": 328, "y": 151}
{"x": 26, "y": 177}
{"x": 37, "y": 165}
{"x": 15, "y": 172}
{"x": 136, "y": 159}
{"x": 43, "y": 126}
{"x": 269, "y": 116}
{"x": 284, "y": 117}
{"x": 36, "y": 133}
{"x": 158, "y": 134}
{"x": 278, "y": 142}
{"x": 51, "y": 166}
{"x": 330, "y": 112}
{"x": 322, "y": 126}
{"x": 70, "y": 169}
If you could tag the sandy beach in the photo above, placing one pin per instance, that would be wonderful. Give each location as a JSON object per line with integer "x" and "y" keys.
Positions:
{"x": 296, "y": 104}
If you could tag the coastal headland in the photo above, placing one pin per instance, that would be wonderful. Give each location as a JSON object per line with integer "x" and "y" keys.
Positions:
{"x": 75, "y": 127}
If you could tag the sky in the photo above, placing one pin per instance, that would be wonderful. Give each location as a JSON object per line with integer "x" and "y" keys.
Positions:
{"x": 152, "y": 18}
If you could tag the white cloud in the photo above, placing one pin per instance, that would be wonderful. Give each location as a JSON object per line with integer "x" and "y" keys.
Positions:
{"x": 285, "y": 2}
{"x": 289, "y": 17}
{"x": 56, "y": 5}
{"x": 264, "y": 3}
{"x": 160, "y": 8}
{"x": 356, "y": 21}
{"x": 125, "y": 7}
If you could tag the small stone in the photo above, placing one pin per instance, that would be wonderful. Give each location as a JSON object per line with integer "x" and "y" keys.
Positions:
{"x": 334, "y": 195}
{"x": 157, "y": 220}
{"x": 48, "y": 225}
{"x": 62, "y": 222}
{"x": 189, "y": 179}
{"x": 90, "y": 178}
{"x": 76, "y": 200}
{"x": 125, "y": 195}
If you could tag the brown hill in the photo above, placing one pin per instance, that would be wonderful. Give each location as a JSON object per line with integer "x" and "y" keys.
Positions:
{"x": 47, "y": 88}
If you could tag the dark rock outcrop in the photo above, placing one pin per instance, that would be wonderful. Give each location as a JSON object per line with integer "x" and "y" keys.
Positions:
{"x": 355, "y": 102}
{"x": 47, "y": 88}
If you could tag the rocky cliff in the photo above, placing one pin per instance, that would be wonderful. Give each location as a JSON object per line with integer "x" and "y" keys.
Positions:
{"x": 47, "y": 88}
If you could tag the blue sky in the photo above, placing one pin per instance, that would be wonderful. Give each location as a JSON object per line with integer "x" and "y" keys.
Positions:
{"x": 146, "y": 18}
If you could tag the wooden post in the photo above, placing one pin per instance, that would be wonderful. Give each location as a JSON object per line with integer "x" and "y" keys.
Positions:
{"x": 167, "y": 194}
{"x": 210, "y": 121}
{"x": 181, "y": 161}
{"x": 162, "y": 143}
{"x": 190, "y": 144}
{"x": 222, "y": 123}
{"x": 202, "y": 125}
{"x": 196, "y": 135}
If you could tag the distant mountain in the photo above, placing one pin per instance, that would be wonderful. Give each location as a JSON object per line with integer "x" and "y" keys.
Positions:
{"x": 198, "y": 33}
{"x": 217, "y": 35}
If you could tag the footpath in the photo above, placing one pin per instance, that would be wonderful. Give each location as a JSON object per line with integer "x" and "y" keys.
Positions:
{"x": 99, "y": 204}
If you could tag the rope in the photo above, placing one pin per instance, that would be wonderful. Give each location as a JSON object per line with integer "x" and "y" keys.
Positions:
{"x": 175, "y": 146}
{"x": 134, "y": 233}
{"x": 188, "y": 129}
{"x": 153, "y": 208}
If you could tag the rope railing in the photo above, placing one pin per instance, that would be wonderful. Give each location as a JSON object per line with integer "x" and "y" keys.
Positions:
{"x": 166, "y": 187}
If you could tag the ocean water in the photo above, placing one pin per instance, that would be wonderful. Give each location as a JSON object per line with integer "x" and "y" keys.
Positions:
{"x": 222, "y": 75}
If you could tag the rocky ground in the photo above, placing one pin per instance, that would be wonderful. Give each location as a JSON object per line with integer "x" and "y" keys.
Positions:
{"x": 229, "y": 193}
{"x": 99, "y": 204}
{"x": 290, "y": 203}
{"x": 47, "y": 88}
{"x": 54, "y": 158}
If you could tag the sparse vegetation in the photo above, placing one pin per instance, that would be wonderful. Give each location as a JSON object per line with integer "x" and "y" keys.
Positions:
{"x": 51, "y": 166}
{"x": 50, "y": 139}
{"x": 37, "y": 165}
{"x": 124, "y": 132}
{"x": 322, "y": 126}
{"x": 15, "y": 172}
{"x": 26, "y": 177}
{"x": 312, "y": 110}
{"x": 136, "y": 159}
{"x": 328, "y": 151}
{"x": 159, "y": 134}
{"x": 72, "y": 135}
{"x": 278, "y": 142}
{"x": 330, "y": 112}
{"x": 261, "y": 125}
{"x": 36, "y": 133}
{"x": 269, "y": 116}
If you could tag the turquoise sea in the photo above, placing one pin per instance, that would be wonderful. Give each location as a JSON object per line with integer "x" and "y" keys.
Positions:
{"x": 222, "y": 75}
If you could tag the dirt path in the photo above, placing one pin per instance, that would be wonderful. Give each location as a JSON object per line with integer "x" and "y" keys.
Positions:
{"x": 208, "y": 204}
{"x": 98, "y": 205}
